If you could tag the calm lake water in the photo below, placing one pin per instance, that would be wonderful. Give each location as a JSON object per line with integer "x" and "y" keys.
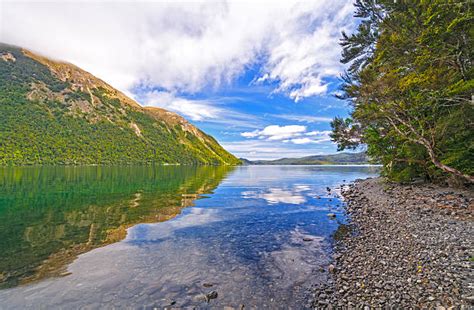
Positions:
{"x": 165, "y": 236}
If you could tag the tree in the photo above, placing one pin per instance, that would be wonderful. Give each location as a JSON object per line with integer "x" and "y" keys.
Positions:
{"x": 410, "y": 85}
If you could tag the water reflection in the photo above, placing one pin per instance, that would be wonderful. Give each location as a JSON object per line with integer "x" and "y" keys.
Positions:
{"x": 250, "y": 241}
{"x": 49, "y": 215}
{"x": 277, "y": 195}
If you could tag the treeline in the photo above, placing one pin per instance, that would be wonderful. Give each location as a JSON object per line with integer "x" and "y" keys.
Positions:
{"x": 410, "y": 84}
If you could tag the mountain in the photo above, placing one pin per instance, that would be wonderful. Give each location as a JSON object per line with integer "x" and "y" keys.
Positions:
{"x": 333, "y": 159}
{"x": 246, "y": 162}
{"x": 55, "y": 113}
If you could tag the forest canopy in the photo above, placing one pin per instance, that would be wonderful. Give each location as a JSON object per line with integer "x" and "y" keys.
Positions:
{"x": 410, "y": 86}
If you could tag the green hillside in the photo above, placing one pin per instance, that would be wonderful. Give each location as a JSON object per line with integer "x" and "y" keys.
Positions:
{"x": 333, "y": 159}
{"x": 55, "y": 113}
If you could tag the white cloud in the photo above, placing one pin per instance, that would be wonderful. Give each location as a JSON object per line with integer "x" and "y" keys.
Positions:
{"x": 303, "y": 118}
{"x": 209, "y": 110}
{"x": 322, "y": 134}
{"x": 303, "y": 57}
{"x": 263, "y": 149}
{"x": 295, "y": 134}
{"x": 316, "y": 137}
{"x": 185, "y": 47}
{"x": 275, "y": 132}
{"x": 250, "y": 134}
{"x": 196, "y": 110}
{"x": 275, "y": 142}
{"x": 277, "y": 195}
{"x": 301, "y": 141}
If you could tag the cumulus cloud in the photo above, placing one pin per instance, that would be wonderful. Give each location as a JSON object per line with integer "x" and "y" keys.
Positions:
{"x": 183, "y": 48}
{"x": 295, "y": 134}
{"x": 275, "y": 132}
{"x": 301, "y": 141}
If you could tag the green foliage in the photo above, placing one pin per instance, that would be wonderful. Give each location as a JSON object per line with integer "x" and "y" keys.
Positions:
{"x": 54, "y": 129}
{"x": 345, "y": 131}
{"x": 410, "y": 84}
{"x": 49, "y": 215}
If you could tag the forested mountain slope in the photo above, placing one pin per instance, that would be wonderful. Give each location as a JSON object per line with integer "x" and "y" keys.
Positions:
{"x": 55, "y": 113}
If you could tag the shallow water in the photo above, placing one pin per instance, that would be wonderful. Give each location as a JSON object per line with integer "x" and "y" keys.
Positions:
{"x": 158, "y": 236}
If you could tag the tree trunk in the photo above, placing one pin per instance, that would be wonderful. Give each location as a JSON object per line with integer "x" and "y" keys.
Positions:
{"x": 445, "y": 168}
{"x": 422, "y": 141}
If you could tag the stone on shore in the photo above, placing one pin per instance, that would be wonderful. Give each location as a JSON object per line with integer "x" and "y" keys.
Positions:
{"x": 410, "y": 246}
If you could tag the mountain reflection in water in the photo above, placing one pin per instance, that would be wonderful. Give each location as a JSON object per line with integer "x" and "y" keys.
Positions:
{"x": 259, "y": 236}
{"x": 50, "y": 215}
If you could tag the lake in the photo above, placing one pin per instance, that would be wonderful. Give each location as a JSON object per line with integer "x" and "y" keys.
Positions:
{"x": 157, "y": 236}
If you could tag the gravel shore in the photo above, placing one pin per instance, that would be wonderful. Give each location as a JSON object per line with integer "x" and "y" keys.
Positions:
{"x": 407, "y": 246}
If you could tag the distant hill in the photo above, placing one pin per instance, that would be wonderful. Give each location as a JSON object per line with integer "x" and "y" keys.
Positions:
{"x": 333, "y": 159}
{"x": 246, "y": 162}
{"x": 56, "y": 113}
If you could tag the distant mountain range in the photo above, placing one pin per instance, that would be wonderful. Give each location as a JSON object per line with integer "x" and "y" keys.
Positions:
{"x": 333, "y": 159}
{"x": 56, "y": 113}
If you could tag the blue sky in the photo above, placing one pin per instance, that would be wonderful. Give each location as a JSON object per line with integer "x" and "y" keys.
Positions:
{"x": 258, "y": 76}
{"x": 246, "y": 108}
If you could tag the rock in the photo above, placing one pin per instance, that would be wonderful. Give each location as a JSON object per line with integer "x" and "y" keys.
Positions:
{"x": 200, "y": 298}
{"x": 211, "y": 295}
{"x": 406, "y": 249}
{"x": 207, "y": 284}
{"x": 331, "y": 268}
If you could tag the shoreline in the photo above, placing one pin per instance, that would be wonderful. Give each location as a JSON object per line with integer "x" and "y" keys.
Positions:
{"x": 407, "y": 246}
